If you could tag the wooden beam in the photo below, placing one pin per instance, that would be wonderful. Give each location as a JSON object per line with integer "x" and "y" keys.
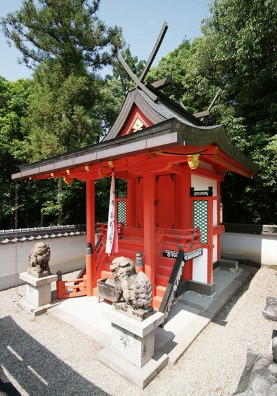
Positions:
{"x": 202, "y": 114}
{"x": 90, "y": 233}
{"x": 149, "y": 226}
{"x": 135, "y": 78}
{"x": 154, "y": 51}
{"x": 162, "y": 83}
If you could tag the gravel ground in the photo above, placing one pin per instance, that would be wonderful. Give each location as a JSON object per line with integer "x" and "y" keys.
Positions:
{"x": 45, "y": 356}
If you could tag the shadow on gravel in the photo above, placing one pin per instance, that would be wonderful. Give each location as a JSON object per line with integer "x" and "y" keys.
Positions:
{"x": 38, "y": 371}
{"x": 221, "y": 317}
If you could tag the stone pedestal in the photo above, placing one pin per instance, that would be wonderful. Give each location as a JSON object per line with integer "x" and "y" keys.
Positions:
{"x": 38, "y": 293}
{"x": 132, "y": 353}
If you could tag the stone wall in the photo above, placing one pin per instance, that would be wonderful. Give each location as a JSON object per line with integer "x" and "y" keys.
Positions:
{"x": 256, "y": 243}
{"x": 67, "y": 254}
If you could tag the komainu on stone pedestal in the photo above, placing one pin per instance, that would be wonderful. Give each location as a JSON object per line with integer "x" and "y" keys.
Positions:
{"x": 39, "y": 258}
{"x": 136, "y": 288}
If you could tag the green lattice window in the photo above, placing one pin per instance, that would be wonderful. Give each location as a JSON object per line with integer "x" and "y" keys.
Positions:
{"x": 200, "y": 218}
{"x": 121, "y": 212}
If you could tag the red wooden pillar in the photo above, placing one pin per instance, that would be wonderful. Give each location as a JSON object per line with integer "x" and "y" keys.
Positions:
{"x": 184, "y": 212}
{"x": 210, "y": 241}
{"x": 131, "y": 203}
{"x": 184, "y": 204}
{"x": 149, "y": 226}
{"x": 90, "y": 232}
{"x": 218, "y": 191}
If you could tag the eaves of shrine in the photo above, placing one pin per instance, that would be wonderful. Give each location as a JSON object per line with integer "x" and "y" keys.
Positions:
{"x": 168, "y": 132}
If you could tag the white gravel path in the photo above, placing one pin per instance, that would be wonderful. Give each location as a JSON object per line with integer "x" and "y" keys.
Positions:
{"x": 45, "y": 356}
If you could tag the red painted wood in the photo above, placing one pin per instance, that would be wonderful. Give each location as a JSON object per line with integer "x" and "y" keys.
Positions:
{"x": 187, "y": 273}
{"x": 184, "y": 212}
{"x": 210, "y": 241}
{"x": 165, "y": 201}
{"x": 149, "y": 227}
{"x": 218, "y": 218}
{"x": 187, "y": 211}
{"x": 207, "y": 173}
{"x": 139, "y": 202}
{"x": 131, "y": 203}
{"x": 90, "y": 227}
{"x": 134, "y": 114}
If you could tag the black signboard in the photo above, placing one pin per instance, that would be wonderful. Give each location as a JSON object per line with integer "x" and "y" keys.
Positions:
{"x": 201, "y": 193}
{"x": 187, "y": 256}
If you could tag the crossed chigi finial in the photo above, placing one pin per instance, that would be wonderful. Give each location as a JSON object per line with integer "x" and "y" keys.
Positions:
{"x": 139, "y": 81}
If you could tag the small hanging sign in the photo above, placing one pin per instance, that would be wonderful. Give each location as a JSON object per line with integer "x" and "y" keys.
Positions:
{"x": 187, "y": 256}
{"x": 201, "y": 193}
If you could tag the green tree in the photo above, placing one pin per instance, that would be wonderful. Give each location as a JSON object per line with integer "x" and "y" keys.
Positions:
{"x": 66, "y": 44}
{"x": 68, "y": 31}
{"x": 242, "y": 36}
{"x": 237, "y": 54}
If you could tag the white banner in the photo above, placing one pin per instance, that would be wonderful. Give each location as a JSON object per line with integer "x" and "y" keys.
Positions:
{"x": 112, "y": 237}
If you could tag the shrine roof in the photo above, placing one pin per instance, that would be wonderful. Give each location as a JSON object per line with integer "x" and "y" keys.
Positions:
{"x": 156, "y": 111}
{"x": 166, "y": 134}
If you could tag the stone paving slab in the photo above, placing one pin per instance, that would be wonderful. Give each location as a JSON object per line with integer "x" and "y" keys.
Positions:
{"x": 187, "y": 319}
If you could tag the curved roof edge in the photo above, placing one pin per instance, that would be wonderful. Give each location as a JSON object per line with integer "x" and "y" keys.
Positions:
{"x": 140, "y": 141}
{"x": 203, "y": 135}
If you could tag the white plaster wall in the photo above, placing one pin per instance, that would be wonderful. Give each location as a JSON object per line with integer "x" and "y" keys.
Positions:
{"x": 215, "y": 258}
{"x": 199, "y": 268}
{"x": 203, "y": 183}
{"x": 67, "y": 254}
{"x": 258, "y": 248}
{"x": 215, "y": 203}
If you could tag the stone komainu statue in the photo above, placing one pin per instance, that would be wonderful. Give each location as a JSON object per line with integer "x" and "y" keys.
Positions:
{"x": 136, "y": 288}
{"x": 39, "y": 258}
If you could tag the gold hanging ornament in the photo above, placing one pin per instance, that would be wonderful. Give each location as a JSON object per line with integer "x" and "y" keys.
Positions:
{"x": 67, "y": 180}
{"x": 193, "y": 161}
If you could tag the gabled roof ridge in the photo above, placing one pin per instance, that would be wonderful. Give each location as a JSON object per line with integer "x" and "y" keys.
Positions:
{"x": 157, "y": 111}
{"x": 175, "y": 105}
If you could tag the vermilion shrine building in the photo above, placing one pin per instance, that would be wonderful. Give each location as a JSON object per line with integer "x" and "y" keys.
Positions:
{"x": 173, "y": 166}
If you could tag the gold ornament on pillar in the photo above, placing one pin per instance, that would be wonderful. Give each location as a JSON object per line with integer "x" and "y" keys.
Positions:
{"x": 67, "y": 180}
{"x": 193, "y": 161}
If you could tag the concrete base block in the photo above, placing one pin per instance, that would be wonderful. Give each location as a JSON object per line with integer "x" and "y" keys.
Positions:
{"x": 138, "y": 376}
{"x": 131, "y": 339}
{"x": 38, "y": 293}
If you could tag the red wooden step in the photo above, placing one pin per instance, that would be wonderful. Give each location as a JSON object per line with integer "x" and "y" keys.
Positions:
{"x": 164, "y": 270}
{"x": 161, "y": 280}
{"x": 160, "y": 290}
{"x": 106, "y": 274}
{"x": 156, "y": 302}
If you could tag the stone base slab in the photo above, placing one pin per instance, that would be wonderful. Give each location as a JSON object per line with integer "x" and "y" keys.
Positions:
{"x": 138, "y": 376}
{"x": 136, "y": 327}
{"x": 33, "y": 280}
{"x": 33, "y": 271}
{"x": 131, "y": 339}
{"x": 28, "y": 307}
{"x": 38, "y": 293}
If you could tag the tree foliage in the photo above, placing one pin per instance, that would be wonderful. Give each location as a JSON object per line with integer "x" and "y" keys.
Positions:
{"x": 243, "y": 37}
{"x": 14, "y": 100}
{"x": 66, "y": 44}
{"x": 68, "y": 31}
{"x": 237, "y": 54}
{"x": 68, "y": 105}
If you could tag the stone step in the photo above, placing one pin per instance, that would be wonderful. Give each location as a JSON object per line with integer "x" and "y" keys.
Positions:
{"x": 228, "y": 264}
